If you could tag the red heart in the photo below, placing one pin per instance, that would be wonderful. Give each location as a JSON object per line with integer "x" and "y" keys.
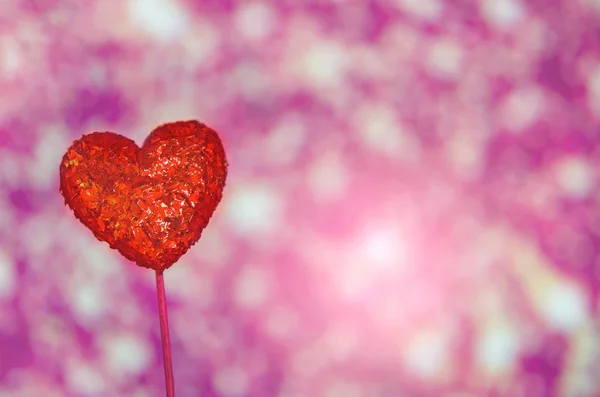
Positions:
{"x": 149, "y": 203}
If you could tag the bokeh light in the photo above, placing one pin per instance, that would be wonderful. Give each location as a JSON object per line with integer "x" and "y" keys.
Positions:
{"x": 411, "y": 208}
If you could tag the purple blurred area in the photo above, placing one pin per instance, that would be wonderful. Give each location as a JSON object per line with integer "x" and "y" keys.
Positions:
{"x": 411, "y": 209}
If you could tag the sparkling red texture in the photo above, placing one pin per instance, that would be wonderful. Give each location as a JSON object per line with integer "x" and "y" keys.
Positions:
{"x": 149, "y": 203}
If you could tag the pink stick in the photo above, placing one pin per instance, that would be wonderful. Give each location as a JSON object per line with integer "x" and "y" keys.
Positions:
{"x": 164, "y": 333}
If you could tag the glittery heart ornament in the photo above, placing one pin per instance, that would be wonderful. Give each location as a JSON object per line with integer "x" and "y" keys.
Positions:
{"x": 149, "y": 203}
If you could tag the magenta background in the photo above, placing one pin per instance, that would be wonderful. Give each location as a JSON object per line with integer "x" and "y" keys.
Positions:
{"x": 411, "y": 208}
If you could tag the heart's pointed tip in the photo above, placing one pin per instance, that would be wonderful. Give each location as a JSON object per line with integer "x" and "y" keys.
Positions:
{"x": 151, "y": 264}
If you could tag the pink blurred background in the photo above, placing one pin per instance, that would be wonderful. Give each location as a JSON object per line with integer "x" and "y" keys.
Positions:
{"x": 411, "y": 208}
